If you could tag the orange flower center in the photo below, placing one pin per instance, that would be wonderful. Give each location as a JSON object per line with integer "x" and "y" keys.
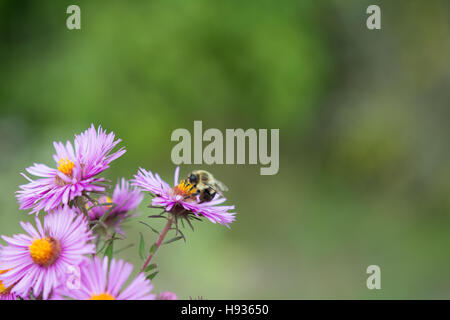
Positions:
{"x": 184, "y": 189}
{"x": 3, "y": 290}
{"x": 45, "y": 251}
{"x": 66, "y": 166}
{"x": 104, "y": 199}
{"x": 102, "y": 296}
{"x": 107, "y": 199}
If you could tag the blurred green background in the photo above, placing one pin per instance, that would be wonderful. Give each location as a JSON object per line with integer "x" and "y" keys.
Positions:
{"x": 363, "y": 116}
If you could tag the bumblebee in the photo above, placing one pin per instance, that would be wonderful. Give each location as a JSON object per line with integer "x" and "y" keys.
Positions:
{"x": 206, "y": 185}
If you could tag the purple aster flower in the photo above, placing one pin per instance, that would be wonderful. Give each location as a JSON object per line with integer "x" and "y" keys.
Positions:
{"x": 167, "y": 295}
{"x": 180, "y": 199}
{"x": 37, "y": 261}
{"x": 8, "y": 296}
{"x": 6, "y": 293}
{"x": 125, "y": 200}
{"x": 76, "y": 172}
{"x": 102, "y": 282}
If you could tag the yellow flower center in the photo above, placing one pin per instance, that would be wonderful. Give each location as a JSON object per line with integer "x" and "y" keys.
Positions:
{"x": 107, "y": 199}
{"x": 184, "y": 188}
{"x": 104, "y": 199}
{"x": 66, "y": 166}
{"x": 45, "y": 251}
{"x": 102, "y": 296}
{"x": 3, "y": 290}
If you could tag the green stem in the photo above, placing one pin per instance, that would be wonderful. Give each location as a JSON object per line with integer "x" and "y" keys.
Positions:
{"x": 161, "y": 237}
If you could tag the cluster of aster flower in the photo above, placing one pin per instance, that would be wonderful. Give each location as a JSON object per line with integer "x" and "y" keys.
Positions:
{"x": 68, "y": 253}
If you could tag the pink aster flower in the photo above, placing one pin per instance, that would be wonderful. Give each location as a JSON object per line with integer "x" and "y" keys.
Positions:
{"x": 6, "y": 293}
{"x": 76, "y": 172}
{"x": 102, "y": 282}
{"x": 38, "y": 260}
{"x": 8, "y": 296}
{"x": 179, "y": 199}
{"x": 167, "y": 295}
{"x": 125, "y": 198}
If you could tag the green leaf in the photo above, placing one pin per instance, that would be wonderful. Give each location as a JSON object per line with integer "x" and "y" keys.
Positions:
{"x": 141, "y": 246}
{"x": 151, "y": 228}
{"x": 173, "y": 240}
{"x": 106, "y": 214}
{"x": 109, "y": 250}
{"x": 151, "y": 276}
{"x": 150, "y": 267}
{"x": 153, "y": 248}
{"x": 179, "y": 231}
{"x": 157, "y": 216}
{"x": 124, "y": 248}
{"x": 190, "y": 224}
{"x": 101, "y": 249}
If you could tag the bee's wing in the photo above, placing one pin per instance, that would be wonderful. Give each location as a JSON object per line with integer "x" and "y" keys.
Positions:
{"x": 221, "y": 186}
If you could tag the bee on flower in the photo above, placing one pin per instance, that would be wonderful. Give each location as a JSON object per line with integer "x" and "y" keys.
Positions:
{"x": 183, "y": 200}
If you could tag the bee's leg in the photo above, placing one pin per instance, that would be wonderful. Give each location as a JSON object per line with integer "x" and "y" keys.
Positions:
{"x": 196, "y": 193}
